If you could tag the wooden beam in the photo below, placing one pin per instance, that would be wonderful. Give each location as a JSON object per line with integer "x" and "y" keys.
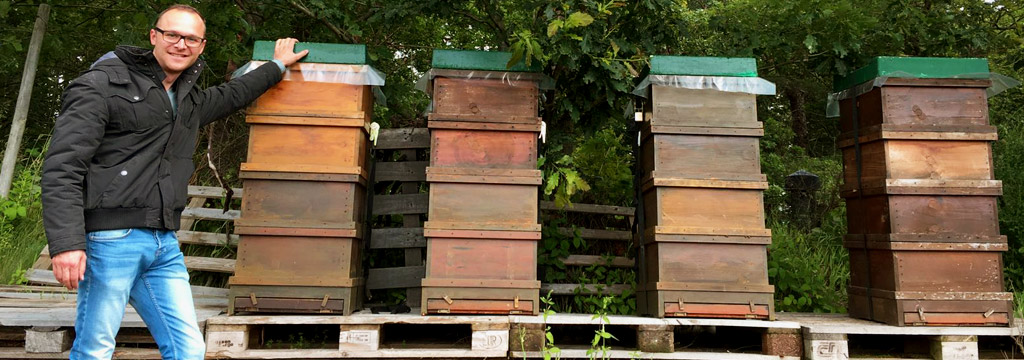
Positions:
{"x": 401, "y": 171}
{"x": 226, "y": 266}
{"x": 397, "y": 238}
{"x": 569, "y": 289}
{"x": 590, "y": 209}
{"x": 210, "y": 214}
{"x": 400, "y": 204}
{"x": 207, "y": 238}
{"x": 395, "y": 278}
{"x": 28, "y": 76}
{"x": 587, "y": 260}
{"x": 45, "y": 277}
{"x": 594, "y": 234}
{"x": 404, "y": 138}
{"x": 212, "y": 192}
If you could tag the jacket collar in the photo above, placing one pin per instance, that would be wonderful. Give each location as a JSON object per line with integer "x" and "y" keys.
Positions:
{"x": 143, "y": 61}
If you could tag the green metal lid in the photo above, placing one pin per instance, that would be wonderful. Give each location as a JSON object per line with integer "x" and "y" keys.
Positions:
{"x": 915, "y": 67}
{"x": 703, "y": 66}
{"x": 479, "y": 60}
{"x": 318, "y": 52}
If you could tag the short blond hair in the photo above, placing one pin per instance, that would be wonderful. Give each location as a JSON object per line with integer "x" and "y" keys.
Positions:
{"x": 180, "y": 7}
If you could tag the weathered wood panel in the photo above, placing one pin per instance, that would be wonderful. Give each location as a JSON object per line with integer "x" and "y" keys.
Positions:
{"x": 210, "y": 264}
{"x": 400, "y": 204}
{"x": 703, "y": 157}
{"x": 724, "y": 264}
{"x": 300, "y": 203}
{"x": 704, "y": 208}
{"x": 404, "y": 138}
{"x": 481, "y": 258}
{"x": 928, "y": 271}
{"x": 271, "y": 142}
{"x": 397, "y": 238}
{"x": 485, "y": 99}
{"x": 705, "y": 108}
{"x": 479, "y": 203}
{"x": 394, "y": 278}
{"x": 401, "y": 171}
{"x": 483, "y": 149}
{"x": 298, "y": 260}
{"x": 307, "y": 98}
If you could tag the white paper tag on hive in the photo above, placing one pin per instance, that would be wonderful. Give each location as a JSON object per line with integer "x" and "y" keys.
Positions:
{"x": 374, "y": 132}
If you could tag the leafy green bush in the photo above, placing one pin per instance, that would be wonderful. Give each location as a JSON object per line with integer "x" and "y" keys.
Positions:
{"x": 810, "y": 270}
{"x": 21, "y": 225}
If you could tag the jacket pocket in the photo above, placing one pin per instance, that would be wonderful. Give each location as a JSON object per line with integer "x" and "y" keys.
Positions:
{"x": 127, "y": 185}
{"x": 137, "y": 109}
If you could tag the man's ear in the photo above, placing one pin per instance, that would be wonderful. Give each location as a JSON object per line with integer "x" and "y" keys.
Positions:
{"x": 153, "y": 37}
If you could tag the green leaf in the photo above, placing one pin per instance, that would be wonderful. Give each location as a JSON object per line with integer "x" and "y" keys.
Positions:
{"x": 10, "y": 213}
{"x": 578, "y": 19}
{"x": 554, "y": 26}
{"x": 551, "y": 183}
{"x": 22, "y": 211}
{"x": 517, "y": 54}
{"x": 5, "y": 7}
{"x": 550, "y": 337}
{"x": 810, "y": 42}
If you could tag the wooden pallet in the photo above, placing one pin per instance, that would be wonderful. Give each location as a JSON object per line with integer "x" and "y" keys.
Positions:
{"x": 828, "y": 337}
{"x": 362, "y": 335}
{"x": 657, "y": 338}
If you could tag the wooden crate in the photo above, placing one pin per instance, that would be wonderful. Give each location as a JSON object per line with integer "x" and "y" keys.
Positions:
{"x": 719, "y": 264}
{"x": 932, "y": 309}
{"x": 302, "y": 200}
{"x": 699, "y": 300}
{"x": 448, "y": 296}
{"x": 673, "y": 106}
{"x": 483, "y": 149}
{"x": 313, "y": 144}
{"x": 700, "y": 156}
{"x": 298, "y": 260}
{"x": 709, "y": 207}
{"x": 485, "y": 100}
{"x": 468, "y": 254}
{"x": 954, "y": 216}
{"x": 297, "y": 97}
{"x": 917, "y": 159}
{"x": 295, "y": 299}
{"x": 483, "y": 199}
{"x": 924, "y": 104}
{"x": 927, "y": 267}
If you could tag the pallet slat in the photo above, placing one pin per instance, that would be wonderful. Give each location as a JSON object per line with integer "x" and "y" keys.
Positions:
{"x": 210, "y": 264}
{"x": 590, "y": 208}
{"x": 570, "y": 289}
{"x": 400, "y": 204}
{"x": 395, "y": 278}
{"x": 207, "y": 238}
{"x": 210, "y": 214}
{"x": 45, "y": 277}
{"x": 208, "y": 192}
{"x": 597, "y": 234}
{"x": 397, "y": 238}
{"x": 401, "y": 171}
{"x": 405, "y": 138}
{"x": 586, "y": 260}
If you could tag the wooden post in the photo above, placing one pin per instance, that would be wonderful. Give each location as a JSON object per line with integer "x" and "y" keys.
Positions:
{"x": 21, "y": 106}
{"x": 413, "y": 256}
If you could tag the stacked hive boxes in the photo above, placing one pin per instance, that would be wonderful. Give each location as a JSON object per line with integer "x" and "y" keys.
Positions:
{"x": 704, "y": 243}
{"x": 483, "y": 225}
{"x": 304, "y": 184}
{"x": 921, "y": 198}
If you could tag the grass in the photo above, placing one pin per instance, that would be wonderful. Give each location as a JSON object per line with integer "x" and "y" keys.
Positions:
{"x": 21, "y": 226}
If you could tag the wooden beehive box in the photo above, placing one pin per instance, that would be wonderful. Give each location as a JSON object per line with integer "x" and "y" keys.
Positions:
{"x": 305, "y": 181}
{"x": 921, "y": 196}
{"x": 702, "y": 191}
{"x": 483, "y": 213}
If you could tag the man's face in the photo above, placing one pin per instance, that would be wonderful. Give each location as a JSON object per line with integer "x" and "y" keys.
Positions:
{"x": 176, "y": 57}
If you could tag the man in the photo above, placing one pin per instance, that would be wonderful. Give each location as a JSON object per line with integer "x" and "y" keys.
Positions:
{"x": 116, "y": 175}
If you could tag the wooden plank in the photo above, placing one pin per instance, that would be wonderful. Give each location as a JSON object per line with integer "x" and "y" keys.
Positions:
{"x": 207, "y": 238}
{"x": 570, "y": 289}
{"x": 119, "y": 353}
{"x": 394, "y": 278}
{"x": 210, "y": 264}
{"x": 397, "y": 238}
{"x": 587, "y": 260}
{"x": 400, "y": 204}
{"x": 210, "y": 214}
{"x": 401, "y": 171}
{"x": 45, "y": 277}
{"x": 43, "y": 261}
{"x": 594, "y": 234}
{"x": 590, "y": 208}
{"x": 208, "y": 192}
{"x": 405, "y": 138}
{"x": 582, "y": 353}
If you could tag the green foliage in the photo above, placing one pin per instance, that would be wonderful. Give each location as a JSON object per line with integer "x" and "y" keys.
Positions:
{"x": 599, "y": 344}
{"x": 810, "y": 270}
{"x": 21, "y": 230}
{"x": 605, "y": 161}
{"x": 562, "y": 180}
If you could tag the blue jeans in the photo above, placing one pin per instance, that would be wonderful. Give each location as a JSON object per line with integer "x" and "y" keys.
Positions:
{"x": 143, "y": 267}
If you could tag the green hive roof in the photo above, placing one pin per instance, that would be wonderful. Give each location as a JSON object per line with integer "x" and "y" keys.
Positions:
{"x": 479, "y": 60}
{"x": 318, "y": 52}
{"x": 915, "y": 67}
{"x": 703, "y": 66}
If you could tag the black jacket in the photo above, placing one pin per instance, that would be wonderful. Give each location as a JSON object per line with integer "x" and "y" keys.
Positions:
{"x": 119, "y": 158}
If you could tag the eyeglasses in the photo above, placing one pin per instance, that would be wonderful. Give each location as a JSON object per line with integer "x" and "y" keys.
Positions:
{"x": 174, "y": 38}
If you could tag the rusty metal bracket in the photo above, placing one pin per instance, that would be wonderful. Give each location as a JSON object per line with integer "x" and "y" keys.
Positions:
{"x": 448, "y": 300}
{"x": 252, "y": 297}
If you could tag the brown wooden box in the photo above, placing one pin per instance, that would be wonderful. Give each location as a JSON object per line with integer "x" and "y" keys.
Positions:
{"x": 701, "y": 156}
{"x": 709, "y": 207}
{"x": 723, "y": 264}
{"x": 483, "y": 149}
{"x": 932, "y": 309}
{"x": 302, "y": 200}
{"x": 675, "y": 106}
{"x": 297, "y": 97}
{"x": 295, "y": 299}
{"x": 918, "y": 159}
{"x": 484, "y": 255}
{"x": 298, "y": 260}
{"x": 485, "y": 100}
{"x": 483, "y": 297}
{"x": 927, "y": 266}
{"x": 314, "y": 144}
{"x": 958, "y": 216}
{"x": 483, "y": 199}
{"x": 927, "y": 104}
{"x": 694, "y": 300}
